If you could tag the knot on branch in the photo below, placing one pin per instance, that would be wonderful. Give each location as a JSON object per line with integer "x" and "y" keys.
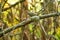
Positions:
{"x": 35, "y": 18}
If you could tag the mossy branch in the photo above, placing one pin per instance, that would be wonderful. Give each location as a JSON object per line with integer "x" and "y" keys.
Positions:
{"x": 27, "y": 21}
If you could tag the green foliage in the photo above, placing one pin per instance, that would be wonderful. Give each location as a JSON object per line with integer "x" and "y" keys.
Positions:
{"x": 12, "y": 17}
{"x": 58, "y": 2}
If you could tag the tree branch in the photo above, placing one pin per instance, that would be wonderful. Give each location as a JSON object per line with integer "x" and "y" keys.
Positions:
{"x": 4, "y": 9}
{"x": 27, "y": 21}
